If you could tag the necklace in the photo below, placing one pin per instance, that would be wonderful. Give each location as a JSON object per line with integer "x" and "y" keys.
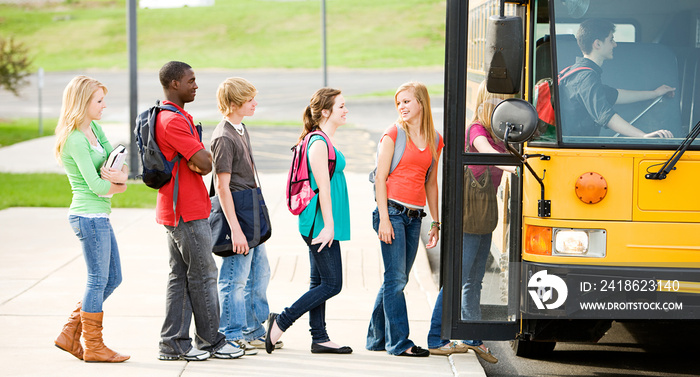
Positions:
{"x": 238, "y": 127}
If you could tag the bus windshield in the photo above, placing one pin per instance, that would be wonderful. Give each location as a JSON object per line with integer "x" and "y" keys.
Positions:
{"x": 626, "y": 72}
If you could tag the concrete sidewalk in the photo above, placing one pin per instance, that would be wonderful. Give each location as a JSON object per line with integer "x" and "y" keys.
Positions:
{"x": 43, "y": 274}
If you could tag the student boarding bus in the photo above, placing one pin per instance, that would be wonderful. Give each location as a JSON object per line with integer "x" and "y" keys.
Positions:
{"x": 599, "y": 226}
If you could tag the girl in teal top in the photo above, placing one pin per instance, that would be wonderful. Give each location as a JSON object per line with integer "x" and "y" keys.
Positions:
{"x": 326, "y": 112}
{"x": 82, "y": 148}
{"x": 339, "y": 201}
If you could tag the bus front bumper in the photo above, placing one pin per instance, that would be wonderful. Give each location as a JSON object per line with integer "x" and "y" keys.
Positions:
{"x": 608, "y": 292}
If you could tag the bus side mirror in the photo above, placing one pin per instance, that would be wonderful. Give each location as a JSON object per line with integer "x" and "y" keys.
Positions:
{"x": 504, "y": 54}
{"x": 514, "y": 118}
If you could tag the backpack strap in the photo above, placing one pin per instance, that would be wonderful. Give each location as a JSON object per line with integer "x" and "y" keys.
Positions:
{"x": 331, "y": 150}
{"x": 399, "y": 148}
{"x": 331, "y": 169}
{"x": 176, "y": 160}
{"x": 566, "y": 72}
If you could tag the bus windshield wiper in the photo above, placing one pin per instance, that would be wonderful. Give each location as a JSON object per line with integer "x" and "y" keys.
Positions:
{"x": 671, "y": 162}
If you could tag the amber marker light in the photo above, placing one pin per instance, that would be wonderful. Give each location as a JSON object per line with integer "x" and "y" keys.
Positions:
{"x": 538, "y": 240}
{"x": 591, "y": 188}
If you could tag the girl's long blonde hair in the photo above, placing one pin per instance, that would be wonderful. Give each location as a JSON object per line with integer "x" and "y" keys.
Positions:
{"x": 485, "y": 103}
{"x": 76, "y": 99}
{"x": 427, "y": 127}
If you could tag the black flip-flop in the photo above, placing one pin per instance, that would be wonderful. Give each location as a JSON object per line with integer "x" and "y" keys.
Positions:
{"x": 269, "y": 346}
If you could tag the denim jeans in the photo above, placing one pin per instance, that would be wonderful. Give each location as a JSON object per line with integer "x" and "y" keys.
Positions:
{"x": 434, "y": 337}
{"x": 326, "y": 281}
{"x": 243, "y": 281}
{"x": 475, "y": 253}
{"x": 101, "y": 257}
{"x": 388, "y": 327}
{"x": 191, "y": 291}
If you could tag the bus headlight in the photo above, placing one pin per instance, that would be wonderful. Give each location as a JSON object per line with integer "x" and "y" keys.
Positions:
{"x": 579, "y": 242}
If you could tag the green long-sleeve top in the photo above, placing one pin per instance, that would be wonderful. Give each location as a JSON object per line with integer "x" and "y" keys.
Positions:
{"x": 82, "y": 163}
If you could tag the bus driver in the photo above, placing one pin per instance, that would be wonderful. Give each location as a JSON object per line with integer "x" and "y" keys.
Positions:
{"x": 588, "y": 101}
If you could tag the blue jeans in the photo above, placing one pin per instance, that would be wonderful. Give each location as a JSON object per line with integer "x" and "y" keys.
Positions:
{"x": 191, "y": 291}
{"x": 101, "y": 257}
{"x": 434, "y": 338}
{"x": 388, "y": 327}
{"x": 243, "y": 281}
{"x": 326, "y": 282}
{"x": 475, "y": 252}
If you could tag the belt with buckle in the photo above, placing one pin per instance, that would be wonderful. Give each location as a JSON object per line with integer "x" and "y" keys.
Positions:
{"x": 412, "y": 213}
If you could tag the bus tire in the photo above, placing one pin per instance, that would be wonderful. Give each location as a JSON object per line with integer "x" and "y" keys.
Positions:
{"x": 532, "y": 350}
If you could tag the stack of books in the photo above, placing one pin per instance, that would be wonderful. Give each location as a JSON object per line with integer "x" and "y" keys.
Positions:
{"x": 115, "y": 160}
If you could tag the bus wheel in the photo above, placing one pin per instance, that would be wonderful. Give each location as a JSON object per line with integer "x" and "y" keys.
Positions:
{"x": 532, "y": 350}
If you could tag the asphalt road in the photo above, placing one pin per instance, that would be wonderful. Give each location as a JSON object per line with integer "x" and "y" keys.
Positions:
{"x": 282, "y": 94}
{"x": 644, "y": 348}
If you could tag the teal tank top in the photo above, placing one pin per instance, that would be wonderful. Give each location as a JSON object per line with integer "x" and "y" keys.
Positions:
{"x": 339, "y": 200}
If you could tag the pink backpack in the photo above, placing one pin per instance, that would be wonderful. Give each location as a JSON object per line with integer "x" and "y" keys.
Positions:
{"x": 299, "y": 192}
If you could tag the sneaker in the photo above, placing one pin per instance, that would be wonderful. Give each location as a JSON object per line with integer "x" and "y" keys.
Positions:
{"x": 260, "y": 343}
{"x": 247, "y": 348}
{"x": 193, "y": 355}
{"x": 450, "y": 348}
{"x": 229, "y": 351}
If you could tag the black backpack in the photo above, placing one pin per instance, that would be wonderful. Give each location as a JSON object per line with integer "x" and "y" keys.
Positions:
{"x": 156, "y": 170}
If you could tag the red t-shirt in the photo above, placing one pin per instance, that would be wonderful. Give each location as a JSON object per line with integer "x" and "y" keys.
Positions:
{"x": 173, "y": 136}
{"x": 406, "y": 183}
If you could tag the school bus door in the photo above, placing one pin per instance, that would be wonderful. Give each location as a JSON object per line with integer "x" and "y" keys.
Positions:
{"x": 501, "y": 286}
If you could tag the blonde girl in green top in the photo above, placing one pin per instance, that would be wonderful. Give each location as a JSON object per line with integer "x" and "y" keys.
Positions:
{"x": 82, "y": 148}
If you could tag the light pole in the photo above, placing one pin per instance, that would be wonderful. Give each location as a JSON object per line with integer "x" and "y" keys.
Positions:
{"x": 323, "y": 42}
{"x": 133, "y": 89}
{"x": 40, "y": 75}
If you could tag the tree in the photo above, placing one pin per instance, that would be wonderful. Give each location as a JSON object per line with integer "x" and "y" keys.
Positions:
{"x": 14, "y": 65}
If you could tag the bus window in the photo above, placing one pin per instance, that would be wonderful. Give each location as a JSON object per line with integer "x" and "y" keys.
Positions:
{"x": 486, "y": 245}
{"x": 622, "y": 85}
{"x": 543, "y": 63}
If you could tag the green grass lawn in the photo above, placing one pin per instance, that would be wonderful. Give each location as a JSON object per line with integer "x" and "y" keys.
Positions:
{"x": 53, "y": 190}
{"x": 16, "y": 130}
{"x": 232, "y": 34}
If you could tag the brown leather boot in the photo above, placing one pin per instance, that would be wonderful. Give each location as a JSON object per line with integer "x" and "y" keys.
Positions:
{"x": 95, "y": 349}
{"x": 69, "y": 338}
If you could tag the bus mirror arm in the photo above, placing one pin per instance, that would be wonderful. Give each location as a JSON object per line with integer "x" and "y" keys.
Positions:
{"x": 671, "y": 162}
{"x": 544, "y": 207}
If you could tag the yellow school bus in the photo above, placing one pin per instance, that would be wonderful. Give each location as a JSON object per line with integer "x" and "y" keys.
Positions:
{"x": 601, "y": 225}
